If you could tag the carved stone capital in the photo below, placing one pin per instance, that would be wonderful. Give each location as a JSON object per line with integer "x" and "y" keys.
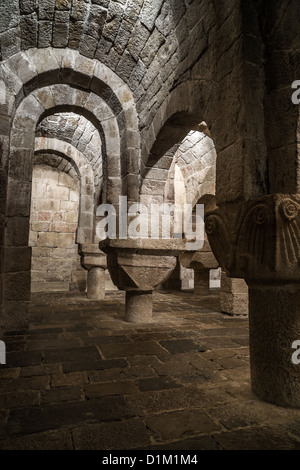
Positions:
{"x": 199, "y": 260}
{"x": 91, "y": 256}
{"x": 133, "y": 268}
{"x": 259, "y": 239}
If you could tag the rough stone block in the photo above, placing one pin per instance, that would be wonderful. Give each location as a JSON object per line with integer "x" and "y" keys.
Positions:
{"x": 63, "y": 4}
{"x": 48, "y": 239}
{"x": 7, "y": 20}
{"x": 40, "y": 226}
{"x": 88, "y": 46}
{"x": 75, "y": 34}
{"x": 18, "y": 197}
{"x": 149, "y": 13}
{"x": 61, "y": 29}
{"x": 29, "y": 31}
{"x": 15, "y": 316}
{"x": 46, "y": 9}
{"x": 65, "y": 239}
{"x": 21, "y": 164}
{"x": 10, "y": 42}
{"x": 68, "y": 205}
{"x": 232, "y": 285}
{"x": 78, "y": 11}
{"x": 71, "y": 217}
{"x": 17, "y": 259}
{"x": 46, "y": 205}
{"x": 234, "y": 304}
{"x": 43, "y": 216}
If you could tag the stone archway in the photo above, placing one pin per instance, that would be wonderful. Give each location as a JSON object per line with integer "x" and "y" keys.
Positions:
{"x": 32, "y": 73}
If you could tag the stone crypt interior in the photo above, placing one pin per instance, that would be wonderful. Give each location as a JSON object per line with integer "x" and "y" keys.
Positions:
{"x": 146, "y": 343}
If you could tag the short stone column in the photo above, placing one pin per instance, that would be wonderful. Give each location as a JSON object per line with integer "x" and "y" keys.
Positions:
{"x": 94, "y": 260}
{"x": 233, "y": 296}
{"x": 138, "y": 306}
{"x": 96, "y": 283}
{"x": 139, "y": 267}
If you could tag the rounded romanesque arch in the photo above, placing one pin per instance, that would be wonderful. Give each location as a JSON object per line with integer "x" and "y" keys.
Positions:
{"x": 41, "y": 83}
{"x": 81, "y": 133}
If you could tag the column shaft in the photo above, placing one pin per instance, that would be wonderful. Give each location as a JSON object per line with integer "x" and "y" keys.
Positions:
{"x": 96, "y": 283}
{"x": 138, "y": 307}
{"x": 274, "y": 316}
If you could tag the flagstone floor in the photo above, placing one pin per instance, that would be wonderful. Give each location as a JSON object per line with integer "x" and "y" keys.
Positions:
{"x": 82, "y": 378}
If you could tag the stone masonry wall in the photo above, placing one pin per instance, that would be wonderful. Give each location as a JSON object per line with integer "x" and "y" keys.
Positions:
{"x": 53, "y": 223}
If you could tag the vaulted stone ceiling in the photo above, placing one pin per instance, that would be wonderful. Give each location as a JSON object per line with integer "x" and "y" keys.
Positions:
{"x": 151, "y": 44}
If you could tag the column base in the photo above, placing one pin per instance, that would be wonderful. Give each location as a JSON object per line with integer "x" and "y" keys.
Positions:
{"x": 138, "y": 307}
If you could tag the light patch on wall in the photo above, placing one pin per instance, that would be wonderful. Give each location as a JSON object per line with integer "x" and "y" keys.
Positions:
{"x": 2, "y": 92}
{"x": 54, "y": 219}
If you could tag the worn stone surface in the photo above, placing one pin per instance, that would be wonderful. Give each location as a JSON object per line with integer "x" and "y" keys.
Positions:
{"x": 161, "y": 386}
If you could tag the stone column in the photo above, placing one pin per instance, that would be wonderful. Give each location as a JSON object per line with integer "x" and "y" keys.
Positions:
{"x": 233, "y": 296}
{"x": 261, "y": 245}
{"x": 139, "y": 267}
{"x": 138, "y": 306}
{"x": 202, "y": 262}
{"x": 94, "y": 260}
{"x": 96, "y": 283}
{"x": 274, "y": 318}
{"x": 201, "y": 282}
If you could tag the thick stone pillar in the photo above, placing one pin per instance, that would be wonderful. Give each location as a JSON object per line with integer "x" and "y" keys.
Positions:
{"x": 94, "y": 260}
{"x": 233, "y": 296}
{"x": 274, "y": 318}
{"x": 139, "y": 267}
{"x": 259, "y": 241}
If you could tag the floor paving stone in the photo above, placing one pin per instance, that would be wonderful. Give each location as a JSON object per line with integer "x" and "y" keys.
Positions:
{"x": 129, "y": 434}
{"x": 99, "y": 364}
{"x": 89, "y": 353}
{"x": 181, "y": 345}
{"x": 131, "y": 349}
{"x": 157, "y": 383}
{"x": 257, "y": 438}
{"x": 56, "y": 395}
{"x": 27, "y": 420}
{"x": 82, "y": 378}
{"x": 96, "y": 390}
{"x": 52, "y": 440}
{"x": 180, "y": 424}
